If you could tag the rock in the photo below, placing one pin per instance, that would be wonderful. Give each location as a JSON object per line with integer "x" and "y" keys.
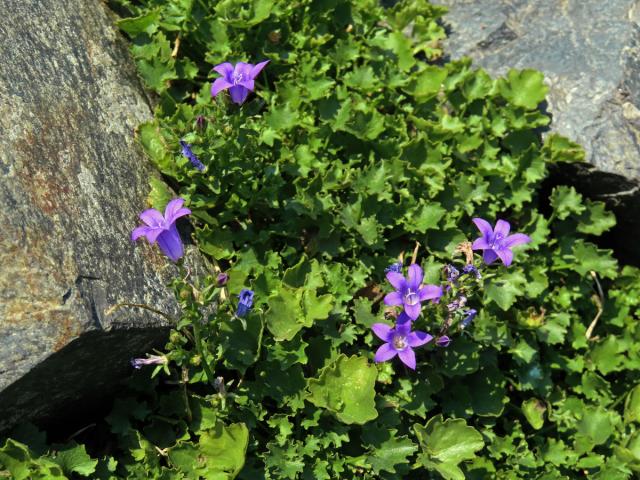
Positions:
{"x": 72, "y": 182}
{"x": 590, "y": 55}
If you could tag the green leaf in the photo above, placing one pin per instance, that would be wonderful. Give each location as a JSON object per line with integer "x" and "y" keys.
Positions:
{"x": 566, "y": 201}
{"x": 445, "y": 444}
{"x": 596, "y": 219}
{"x": 587, "y": 257}
{"x": 224, "y": 449}
{"x": 160, "y": 194}
{"x": 284, "y": 318}
{"x": 390, "y": 453}
{"x": 429, "y": 82}
{"x": 134, "y": 26}
{"x": 346, "y": 388}
{"x": 523, "y": 88}
{"x": 605, "y": 355}
{"x": 632, "y": 405}
{"x": 73, "y": 458}
{"x": 534, "y": 410}
{"x": 506, "y": 289}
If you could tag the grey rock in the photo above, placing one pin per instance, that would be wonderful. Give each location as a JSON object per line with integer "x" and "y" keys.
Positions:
{"x": 72, "y": 182}
{"x": 590, "y": 55}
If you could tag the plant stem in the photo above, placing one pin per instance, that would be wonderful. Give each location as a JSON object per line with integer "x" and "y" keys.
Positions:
{"x": 205, "y": 362}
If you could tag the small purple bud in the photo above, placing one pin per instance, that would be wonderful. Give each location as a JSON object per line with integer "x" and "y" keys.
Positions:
{"x": 471, "y": 269}
{"x": 199, "y": 122}
{"x": 222, "y": 279}
{"x": 452, "y": 273}
{"x": 470, "y": 315}
{"x": 394, "y": 267}
{"x": 443, "y": 341}
{"x": 245, "y": 303}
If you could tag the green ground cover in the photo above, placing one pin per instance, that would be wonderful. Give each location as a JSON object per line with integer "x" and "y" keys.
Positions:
{"x": 359, "y": 141}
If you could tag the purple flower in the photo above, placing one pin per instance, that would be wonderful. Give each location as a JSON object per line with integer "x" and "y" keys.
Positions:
{"x": 469, "y": 316}
{"x": 188, "y": 153}
{"x": 410, "y": 291}
{"x": 496, "y": 242}
{"x": 162, "y": 228}
{"x": 443, "y": 341}
{"x": 399, "y": 341}
{"x": 222, "y": 279}
{"x": 137, "y": 363}
{"x": 245, "y": 303}
{"x": 452, "y": 273}
{"x": 394, "y": 267}
{"x": 239, "y": 79}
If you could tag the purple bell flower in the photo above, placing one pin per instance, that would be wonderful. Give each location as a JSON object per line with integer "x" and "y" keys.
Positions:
{"x": 410, "y": 292}
{"x": 188, "y": 153}
{"x": 239, "y": 79}
{"x": 162, "y": 228}
{"x": 496, "y": 242}
{"x": 399, "y": 341}
{"x": 138, "y": 363}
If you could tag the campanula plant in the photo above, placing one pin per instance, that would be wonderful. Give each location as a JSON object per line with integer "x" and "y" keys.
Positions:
{"x": 365, "y": 139}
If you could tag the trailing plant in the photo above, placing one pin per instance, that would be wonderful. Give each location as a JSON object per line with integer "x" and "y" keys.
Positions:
{"x": 357, "y": 146}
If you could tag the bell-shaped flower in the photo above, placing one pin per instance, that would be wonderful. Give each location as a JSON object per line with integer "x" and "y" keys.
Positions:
{"x": 238, "y": 79}
{"x": 496, "y": 242}
{"x": 399, "y": 341}
{"x": 162, "y": 228}
{"x": 410, "y": 292}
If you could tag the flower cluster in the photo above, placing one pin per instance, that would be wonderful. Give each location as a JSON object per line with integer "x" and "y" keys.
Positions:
{"x": 410, "y": 293}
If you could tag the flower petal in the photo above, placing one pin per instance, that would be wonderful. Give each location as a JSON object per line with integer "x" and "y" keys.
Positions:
{"x": 226, "y": 70}
{"x": 397, "y": 281}
{"x": 402, "y": 328}
{"x": 384, "y": 353}
{"x": 489, "y": 256}
{"x": 516, "y": 239}
{"x": 429, "y": 292}
{"x": 393, "y": 298}
{"x": 258, "y": 68}
{"x": 170, "y": 243}
{"x": 502, "y": 228}
{"x": 139, "y": 232}
{"x": 238, "y": 94}
{"x": 174, "y": 210}
{"x": 480, "y": 244}
{"x": 218, "y": 85}
{"x": 243, "y": 70}
{"x": 381, "y": 330}
{"x": 484, "y": 227}
{"x": 408, "y": 358}
{"x": 152, "y": 217}
{"x": 417, "y": 338}
{"x": 414, "y": 277}
{"x": 413, "y": 311}
{"x": 248, "y": 84}
{"x": 403, "y": 319}
{"x": 505, "y": 255}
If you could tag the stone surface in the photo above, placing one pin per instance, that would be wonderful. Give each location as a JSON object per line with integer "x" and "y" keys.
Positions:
{"x": 72, "y": 182}
{"x": 590, "y": 55}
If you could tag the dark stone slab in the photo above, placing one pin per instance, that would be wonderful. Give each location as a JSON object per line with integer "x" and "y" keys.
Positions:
{"x": 72, "y": 182}
{"x": 590, "y": 55}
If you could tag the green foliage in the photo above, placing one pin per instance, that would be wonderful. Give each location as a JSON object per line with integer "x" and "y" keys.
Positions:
{"x": 358, "y": 142}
